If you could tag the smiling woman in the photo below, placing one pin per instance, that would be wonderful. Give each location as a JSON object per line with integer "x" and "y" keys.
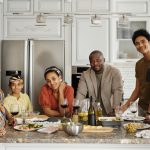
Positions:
{"x": 54, "y": 92}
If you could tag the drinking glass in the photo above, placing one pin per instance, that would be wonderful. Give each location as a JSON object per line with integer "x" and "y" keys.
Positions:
{"x": 24, "y": 114}
{"x": 64, "y": 105}
{"x": 14, "y": 109}
{"x": 118, "y": 112}
{"x": 76, "y": 104}
{"x": 133, "y": 108}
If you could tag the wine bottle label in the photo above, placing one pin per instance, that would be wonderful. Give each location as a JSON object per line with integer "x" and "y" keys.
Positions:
{"x": 75, "y": 118}
{"x": 98, "y": 113}
{"x": 91, "y": 119}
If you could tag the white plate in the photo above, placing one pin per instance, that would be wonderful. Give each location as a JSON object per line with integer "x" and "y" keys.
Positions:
{"x": 108, "y": 119}
{"x": 49, "y": 129}
{"x": 145, "y": 126}
{"x": 22, "y": 128}
{"x": 143, "y": 134}
{"x": 139, "y": 126}
{"x": 37, "y": 118}
{"x": 46, "y": 123}
{"x": 130, "y": 118}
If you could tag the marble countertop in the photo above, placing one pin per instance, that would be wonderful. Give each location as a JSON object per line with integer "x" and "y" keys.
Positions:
{"x": 118, "y": 136}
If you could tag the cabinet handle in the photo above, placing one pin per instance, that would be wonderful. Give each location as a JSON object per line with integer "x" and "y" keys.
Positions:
{"x": 17, "y": 13}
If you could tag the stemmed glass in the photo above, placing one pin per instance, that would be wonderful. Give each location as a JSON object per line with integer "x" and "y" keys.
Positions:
{"x": 14, "y": 109}
{"x": 2, "y": 118}
{"x": 64, "y": 105}
{"x": 1, "y": 97}
{"x": 133, "y": 108}
{"x": 76, "y": 105}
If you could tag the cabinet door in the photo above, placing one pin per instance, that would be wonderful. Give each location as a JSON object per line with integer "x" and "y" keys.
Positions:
{"x": 19, "y": 7}
{"x": 2, "y": 146}
{"x": 123, "y": 47}
{"x": 48, "y": 6}
{"x": 91, "y": 5}
{"x": 88, "y": 37}
{"x": 25, "y": 27}
{"x": 1, "y": 22}
{"x": 138, "y": 7}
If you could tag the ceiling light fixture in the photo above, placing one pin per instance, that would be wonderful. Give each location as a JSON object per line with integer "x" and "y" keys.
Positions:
{"x": 41, "y": 20}
{"x": 123, "y": 21}
{"x": 96, "y": 20}
{"x": 68, "y": 19}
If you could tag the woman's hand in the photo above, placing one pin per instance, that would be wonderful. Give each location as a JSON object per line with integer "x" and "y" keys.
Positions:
{"x": 62, "y": 87}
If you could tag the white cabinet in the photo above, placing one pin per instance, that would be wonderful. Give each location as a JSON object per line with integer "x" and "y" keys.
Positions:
{"x": 138, "y": 7}
{"x": 20, "y": 19}
{"x": 87, "y": 37}
{"x": 123, "y": 47}
{"x": 123, "y": 53}
{"x": 18, "y": 7}
{"x": 75, "y": 146}
{"x": 1, "y": 35}
{"x": 1, "y": 23}
{"x": 2, "y": 146}
{"x": 91, "y": 5}
{"x": 48, "y": 6}
{"x": 22, "y": 27}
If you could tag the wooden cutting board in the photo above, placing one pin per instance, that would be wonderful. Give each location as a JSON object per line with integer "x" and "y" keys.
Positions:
{"x": 44, "y": 117}
{"x": 97, "y": 129}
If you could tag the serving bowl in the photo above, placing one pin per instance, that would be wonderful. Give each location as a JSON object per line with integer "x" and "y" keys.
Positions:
{"x": 72, "y": 128}
{"x": 110, "y": 121}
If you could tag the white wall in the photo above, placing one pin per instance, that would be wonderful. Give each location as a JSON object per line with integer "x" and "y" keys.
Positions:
{"x": 1, "y": 32}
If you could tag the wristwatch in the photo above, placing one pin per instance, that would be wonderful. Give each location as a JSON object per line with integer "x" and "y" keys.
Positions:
{"x": 148, "y": 113}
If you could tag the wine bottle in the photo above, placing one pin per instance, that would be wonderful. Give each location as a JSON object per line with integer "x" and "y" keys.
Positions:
{"x": 98, "y": 110}
{"x": 91, "y": 114}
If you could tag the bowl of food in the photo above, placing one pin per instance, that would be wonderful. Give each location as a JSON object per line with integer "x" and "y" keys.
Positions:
{"x": 110, "y": 121}
{"x": 72, "y": 128}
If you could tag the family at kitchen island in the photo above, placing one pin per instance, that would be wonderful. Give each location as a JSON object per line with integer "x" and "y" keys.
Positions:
{"x": 103, "y": 82}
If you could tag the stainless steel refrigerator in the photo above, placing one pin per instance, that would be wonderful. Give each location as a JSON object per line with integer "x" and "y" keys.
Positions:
{"x": 30, "y": 58}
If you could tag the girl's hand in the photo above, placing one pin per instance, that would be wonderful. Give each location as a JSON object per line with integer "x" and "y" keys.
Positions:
{"x": 2, "y": 108}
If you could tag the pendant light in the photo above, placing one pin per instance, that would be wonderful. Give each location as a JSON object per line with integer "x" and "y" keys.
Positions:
{"x": 68, "y": 19}
{"x": 41, "y": 20}
{"x": 96, "y": 20}
{"x": 123, "y": 21}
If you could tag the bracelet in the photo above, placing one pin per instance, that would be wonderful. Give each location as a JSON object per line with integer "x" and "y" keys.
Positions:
{"x": 148, "y": 113}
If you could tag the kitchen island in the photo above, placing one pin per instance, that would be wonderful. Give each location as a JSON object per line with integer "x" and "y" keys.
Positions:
{"x": 118, "y": 139}
{"x": 118, "y": 136}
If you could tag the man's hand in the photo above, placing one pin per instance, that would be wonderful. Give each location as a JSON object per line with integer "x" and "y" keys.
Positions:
{"x": 147, "y": 117}
{"x": 124, "y": 107}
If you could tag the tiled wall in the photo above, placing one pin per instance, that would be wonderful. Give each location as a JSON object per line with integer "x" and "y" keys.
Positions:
{"x": 128, "y": 74}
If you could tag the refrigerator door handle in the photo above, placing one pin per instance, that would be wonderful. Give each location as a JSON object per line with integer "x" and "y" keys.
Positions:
{"x": 26, "y": 66}
{"x": 31, "y": 44}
